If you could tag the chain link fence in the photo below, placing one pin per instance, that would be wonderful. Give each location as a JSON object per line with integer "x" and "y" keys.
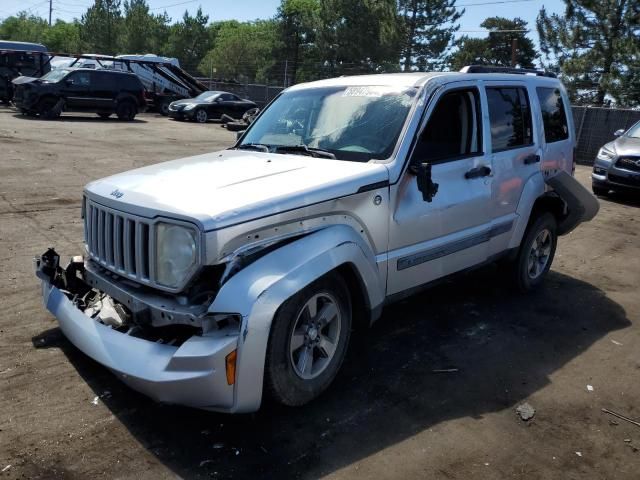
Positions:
{"x": 258, "y": 93}
{"x": 595, "y": 127}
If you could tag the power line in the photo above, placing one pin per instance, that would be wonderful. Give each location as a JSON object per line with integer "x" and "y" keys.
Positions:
{"x": 174, "y": 5}
{"x": 491, "y": 3}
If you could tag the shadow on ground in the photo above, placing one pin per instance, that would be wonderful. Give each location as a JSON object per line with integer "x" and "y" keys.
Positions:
{"x": 505, "y": 346}
{"x": 69, "y": 117}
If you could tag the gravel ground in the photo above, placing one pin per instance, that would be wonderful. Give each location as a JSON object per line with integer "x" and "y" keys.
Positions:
{"x": 389, "y": 415}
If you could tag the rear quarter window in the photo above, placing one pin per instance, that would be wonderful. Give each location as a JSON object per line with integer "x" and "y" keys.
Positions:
{"x": 554, "y": 116}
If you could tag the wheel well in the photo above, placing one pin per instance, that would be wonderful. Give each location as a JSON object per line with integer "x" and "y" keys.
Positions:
{"x": 360, "y": 308}
{"x": 549, "y": 203}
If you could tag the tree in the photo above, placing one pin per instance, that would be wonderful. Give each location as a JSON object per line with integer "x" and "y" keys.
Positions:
{"x": 359, "y": 36}
{"x": 189, "y": 40}
{"x": 143, "y": 32}
{"x": 101, "y": 26}
{"x": 596, "y": 44}
{"x": 243, "y": 51}
{"x": 63, "y": 37}
{"x": 429, "y": 26}
{"x": 23, "y": 27}
{"x": 496, "y": 48}
{"x": 298, "y": 22}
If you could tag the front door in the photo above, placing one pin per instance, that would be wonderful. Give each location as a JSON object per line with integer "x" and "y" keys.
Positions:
{"x": 76, "y": 90}
{"x": 428, "y": 240}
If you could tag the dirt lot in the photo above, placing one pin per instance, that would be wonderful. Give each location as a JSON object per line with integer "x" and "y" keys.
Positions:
{"x": 388, "y": 415}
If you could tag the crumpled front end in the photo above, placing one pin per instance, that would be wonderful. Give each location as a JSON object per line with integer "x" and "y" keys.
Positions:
{"x": 178, "y": 364}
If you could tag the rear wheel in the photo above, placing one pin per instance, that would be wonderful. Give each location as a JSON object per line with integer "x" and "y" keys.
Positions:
{"x": 164, "y": 108}
{"x": 536, "y": 253}
{"x": 308, "y": 341}
{"x": 201, "y": 116}
{"x": 126, "y": 111}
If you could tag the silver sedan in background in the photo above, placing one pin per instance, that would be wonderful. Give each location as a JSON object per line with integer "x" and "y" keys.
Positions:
{"x": 617, "y": 165}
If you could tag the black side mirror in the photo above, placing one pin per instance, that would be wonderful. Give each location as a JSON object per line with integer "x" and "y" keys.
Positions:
{"x": 69, "y": 82}
{"x": 422, "y": 171}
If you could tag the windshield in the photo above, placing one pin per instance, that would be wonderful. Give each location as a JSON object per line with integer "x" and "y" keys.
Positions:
{"x": 357, "y": 123}
{"x": 54, "y": 76}
{"x": 207, "y": 96}
{"x": 634, "y": 132}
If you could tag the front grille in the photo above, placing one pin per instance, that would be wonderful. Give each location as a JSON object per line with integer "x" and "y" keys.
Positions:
{"x": 629, "y": 163}
{"x": 120, "y": 242}
{"x": 628, "y": 181}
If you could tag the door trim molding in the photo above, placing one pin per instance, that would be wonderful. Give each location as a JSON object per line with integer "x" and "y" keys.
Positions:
{"x": 434, "y": 253}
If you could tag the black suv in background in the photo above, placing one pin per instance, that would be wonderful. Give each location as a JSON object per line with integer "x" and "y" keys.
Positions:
{"x": 80, "y": 90}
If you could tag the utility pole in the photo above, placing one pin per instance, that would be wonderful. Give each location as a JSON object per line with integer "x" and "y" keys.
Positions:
{"x": 514, "y": 49}
{"x": 50, "y": 10}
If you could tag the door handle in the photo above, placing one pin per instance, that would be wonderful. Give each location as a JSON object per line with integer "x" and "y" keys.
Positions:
{"x": 477, "y": 172}
{"x": 533, "y": 158}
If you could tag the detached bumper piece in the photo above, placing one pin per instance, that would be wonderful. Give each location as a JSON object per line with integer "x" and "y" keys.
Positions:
{"x": 192, "y": 373}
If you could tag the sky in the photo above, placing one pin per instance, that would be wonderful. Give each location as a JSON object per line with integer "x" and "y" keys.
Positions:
{"x": 253, "y": 9}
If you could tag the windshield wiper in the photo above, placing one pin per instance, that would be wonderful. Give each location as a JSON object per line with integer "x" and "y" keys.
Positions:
{"x": 253, "y": 146}
{"x": 314, "y": 152}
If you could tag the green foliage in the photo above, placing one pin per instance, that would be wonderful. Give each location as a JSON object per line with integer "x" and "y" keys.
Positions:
{"x": 359, "y": 36}
{"x": 495, "y": 49}
{"x": 143, "y": 32}
{"x": 596, "y": 45}
{"x": 101, "y": 27}
{"x": 189, "y": 40}
{"x": 428, "y": 28}
{"x": 242, "y": 51}
{"x": 23, "y": 27}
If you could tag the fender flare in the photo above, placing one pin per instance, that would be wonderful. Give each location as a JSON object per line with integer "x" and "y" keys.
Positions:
{"x": 582, "y": 205}
{"x": 257, "y": 292}
{"x": 532, "y": 190}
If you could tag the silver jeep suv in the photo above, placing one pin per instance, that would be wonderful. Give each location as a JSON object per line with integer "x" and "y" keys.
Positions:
{"x": 212, "y": 280}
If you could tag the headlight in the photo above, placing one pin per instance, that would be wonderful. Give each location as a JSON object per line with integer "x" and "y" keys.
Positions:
{"x": 176, "y": 253}
{"x": 605, "y": 154}
{"x": 189, "y": 106}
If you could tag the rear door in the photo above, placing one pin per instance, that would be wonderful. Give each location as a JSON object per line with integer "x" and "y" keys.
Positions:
{"x": 557, "y": 140}
{"x": 515, "y": 153}
{"x": 428, "y": 240}
{"x": 103, "y": 89}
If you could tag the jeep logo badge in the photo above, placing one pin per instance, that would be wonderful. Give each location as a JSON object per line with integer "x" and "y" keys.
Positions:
{"x": 117, "y": 193}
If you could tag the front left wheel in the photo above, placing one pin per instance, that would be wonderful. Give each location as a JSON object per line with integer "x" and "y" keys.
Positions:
{"x": 201, "y": 116}
{"x": 308, "y": 341}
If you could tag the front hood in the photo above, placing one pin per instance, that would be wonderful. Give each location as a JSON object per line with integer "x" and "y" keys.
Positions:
{"x": 224, "y": 188}
{"x": 23, "y": 80}
{"x": 186, "y": 101}
{"x": 627, "y": 146}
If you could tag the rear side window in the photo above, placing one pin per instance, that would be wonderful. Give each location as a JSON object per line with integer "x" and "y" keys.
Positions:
{"x": 553, "y": 114}
{"x": 510, "y": 117}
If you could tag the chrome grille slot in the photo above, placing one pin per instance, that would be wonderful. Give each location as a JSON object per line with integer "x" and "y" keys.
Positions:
{"x": 120, "y": 242}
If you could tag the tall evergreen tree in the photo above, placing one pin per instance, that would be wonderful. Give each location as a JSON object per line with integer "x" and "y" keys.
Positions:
{"x": 143, "y": 31}
{"x": 596, "y": 44}
{"x": 358, "y": 36}
{"x": 189, "y": 40}
{"x": 429, "y": 26}
{"x": 101, "y": 27}
{"x": 298, "y": 22}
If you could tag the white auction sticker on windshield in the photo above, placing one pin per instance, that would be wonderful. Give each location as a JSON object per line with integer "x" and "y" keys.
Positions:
{"x": 363, "y": 91}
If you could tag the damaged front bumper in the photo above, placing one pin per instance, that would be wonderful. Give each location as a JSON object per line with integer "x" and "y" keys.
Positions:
{"x": 193, "y": 373}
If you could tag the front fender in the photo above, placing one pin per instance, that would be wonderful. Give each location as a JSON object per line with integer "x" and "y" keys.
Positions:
{"x": 257, "y": 292}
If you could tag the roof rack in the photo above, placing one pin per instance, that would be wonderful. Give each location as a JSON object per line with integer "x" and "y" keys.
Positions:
{"x": 518, "y": 71}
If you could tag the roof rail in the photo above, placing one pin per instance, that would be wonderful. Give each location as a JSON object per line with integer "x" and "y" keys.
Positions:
{"x": 519, "y": 71}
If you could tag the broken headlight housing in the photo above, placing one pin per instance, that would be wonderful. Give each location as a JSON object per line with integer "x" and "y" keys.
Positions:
{"x": 177, "y": 253}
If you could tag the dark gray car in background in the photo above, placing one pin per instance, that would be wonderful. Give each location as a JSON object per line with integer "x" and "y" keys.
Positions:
{"x": 617, "y": 165}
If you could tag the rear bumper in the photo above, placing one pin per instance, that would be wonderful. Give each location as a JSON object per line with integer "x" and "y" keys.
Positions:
{"x": 192, "y": 374}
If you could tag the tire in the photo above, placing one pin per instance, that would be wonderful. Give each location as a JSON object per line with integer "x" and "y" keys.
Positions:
{"x": 536, "y": 253}
{"x": 126, "y": 111}
{"x": 600, "y": 191}
{"x": 104, "y": 115}
{"x": 164, "y": 109}
{"x": 47, "y": 109}
{"x": 291, "y": 379}
{"x": 200, "y": 115}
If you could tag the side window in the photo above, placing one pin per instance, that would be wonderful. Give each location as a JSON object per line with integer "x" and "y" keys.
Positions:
{"x": 510, "y": 117}
{"x": 80, "y": 79}
{"x": 454, "y": 128}
{"x": 226, "y": 97}
{"x": 553, "y": 115}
